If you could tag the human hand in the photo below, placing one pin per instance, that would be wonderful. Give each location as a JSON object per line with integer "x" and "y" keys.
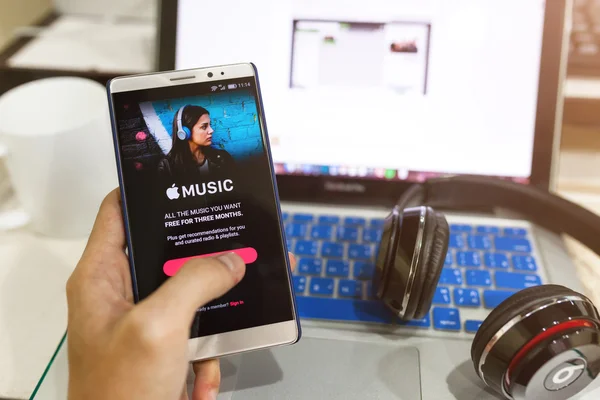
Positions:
{"x": 121, "y": 350}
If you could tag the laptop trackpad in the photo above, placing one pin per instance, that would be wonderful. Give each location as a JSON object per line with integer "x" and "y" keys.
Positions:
{"x": 326, "y": 369}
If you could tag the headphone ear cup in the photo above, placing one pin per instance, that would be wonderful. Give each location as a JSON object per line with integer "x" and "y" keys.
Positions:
{"x": 534, "y": 343}
{"x": 386, "y": 253}
{"x": 508, "y": 309}
{"x": 184, "y": 133}
{"x": 412, "y": 252}
{"x": 433, "y": 254}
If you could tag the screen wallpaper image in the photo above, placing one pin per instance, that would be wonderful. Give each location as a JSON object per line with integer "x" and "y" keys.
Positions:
{"x": 197, "y": 181}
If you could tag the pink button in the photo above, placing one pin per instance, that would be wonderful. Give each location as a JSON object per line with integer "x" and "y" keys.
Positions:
{"x": 248, "y": 254}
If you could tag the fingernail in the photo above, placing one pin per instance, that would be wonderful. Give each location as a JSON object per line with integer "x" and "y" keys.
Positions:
{"x": 212, "y": 394}
{"x": 230, "y": 259}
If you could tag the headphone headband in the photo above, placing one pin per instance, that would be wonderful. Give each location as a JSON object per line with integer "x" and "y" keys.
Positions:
{"x": 183, "y": 132}
{"x": 540, "y": 207}
{"x": 179, "y": 115}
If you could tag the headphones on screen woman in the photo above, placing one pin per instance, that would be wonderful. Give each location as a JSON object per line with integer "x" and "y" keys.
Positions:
{"x": 543, "y": 341}
{"x": 183, "y": 132}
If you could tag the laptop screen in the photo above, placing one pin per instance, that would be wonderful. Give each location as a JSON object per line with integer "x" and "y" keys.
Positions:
{"x": 383, "y": 89}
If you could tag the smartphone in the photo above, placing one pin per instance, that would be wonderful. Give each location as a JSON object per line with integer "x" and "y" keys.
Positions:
{"x": 197, "y": 179}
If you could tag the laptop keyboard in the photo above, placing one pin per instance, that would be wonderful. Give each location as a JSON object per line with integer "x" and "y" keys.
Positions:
{"x": 484, "y": 265}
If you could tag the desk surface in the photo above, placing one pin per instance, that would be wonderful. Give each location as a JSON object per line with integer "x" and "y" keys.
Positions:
{"x": 34, "y": 270}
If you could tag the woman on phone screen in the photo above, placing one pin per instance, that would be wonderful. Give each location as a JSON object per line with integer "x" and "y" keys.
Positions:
{"x": 191, "y": 155}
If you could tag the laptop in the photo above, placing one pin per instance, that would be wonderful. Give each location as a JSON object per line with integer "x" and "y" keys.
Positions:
{"x": 363, "y": 99}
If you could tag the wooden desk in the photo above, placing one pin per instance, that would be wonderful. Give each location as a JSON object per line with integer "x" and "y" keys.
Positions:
{"x": 581, "y": 119}
{"x": 579, "y": 181}
{"x": 579, "y": 177}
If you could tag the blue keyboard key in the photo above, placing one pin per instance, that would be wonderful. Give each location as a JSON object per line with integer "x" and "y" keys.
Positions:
{"x": 329, "y": 219}
{"x": 456, "y": 241}
{"x": 303, "y": 218}
{"x": 322, "y": 232}
{"x": 310, "y": 266}
{"x": 468, "y": 259}
{"x": 472, "y": 325}
{"x": 285, "y": 216}
{"x": 290, "y": 243}
{"x": 515, "y": 231}
{"x": 355, "y": 221}
{"x": 516, "y": 244}
{"x": 306, "y": 248}
{"x": 352, "y": 310}
{"x": 295, "y": 230}
{"x": 448, "y": 261}
{"x": 447, "y": 319}
{"x": 350, "y": 288}
{"x": 451, "y": 276}
{"x": 493, "y": 298}
{"x": 524, "y": 263}
{"x": 360, "y": 251}
{"x": 495, "y": 260}
{"x": 377, "y": 223}
{"x": 363, "y": 270}
{"x": 371, "y": 235}
{"x": 329, "y": 249}
{"x": 466, "y": 297}
{"x": 348, "y": 233}
{"x": 479, "y": 242}
{"x": 321, "y": 286}
{"x": 478, "y": 277}
{"x": 441, "y": 296}
{"x": 460, "y": 228}
{"x": 424, "y": 322}
{"x": 299, "y": 284}
{"x": 512, "y": 280}
{"x": 494, "y": 230}
{"x": 339, "y": 268}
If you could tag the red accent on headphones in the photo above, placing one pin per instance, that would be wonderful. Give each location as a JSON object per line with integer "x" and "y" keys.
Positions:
{"x": 556, "y": 329}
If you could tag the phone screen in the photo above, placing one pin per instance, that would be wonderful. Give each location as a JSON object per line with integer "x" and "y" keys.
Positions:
{"x": 198, "y": 180}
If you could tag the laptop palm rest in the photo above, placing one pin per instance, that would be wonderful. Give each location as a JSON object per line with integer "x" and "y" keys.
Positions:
{"x": 323, "y": 369}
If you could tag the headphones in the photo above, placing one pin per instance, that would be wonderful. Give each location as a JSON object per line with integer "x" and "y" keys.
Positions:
{"x": 543, "y": 341}
{"x": 183, "y": 132}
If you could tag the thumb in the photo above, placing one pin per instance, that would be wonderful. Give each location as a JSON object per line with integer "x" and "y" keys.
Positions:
{"x": 198, "y": 282}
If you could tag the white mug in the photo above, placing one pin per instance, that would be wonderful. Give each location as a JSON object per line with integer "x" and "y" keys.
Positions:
{"x": 55, "y": 139}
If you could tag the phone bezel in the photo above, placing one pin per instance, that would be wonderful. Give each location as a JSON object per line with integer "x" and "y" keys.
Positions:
{"x": 226, "y": 343}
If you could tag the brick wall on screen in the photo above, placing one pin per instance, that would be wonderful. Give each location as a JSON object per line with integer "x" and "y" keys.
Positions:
{"x": 233, "y": 118}
{"x": 139, "y": 148}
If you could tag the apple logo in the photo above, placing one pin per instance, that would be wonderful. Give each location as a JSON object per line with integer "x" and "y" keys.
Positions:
{"x": 173, "y": 192}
